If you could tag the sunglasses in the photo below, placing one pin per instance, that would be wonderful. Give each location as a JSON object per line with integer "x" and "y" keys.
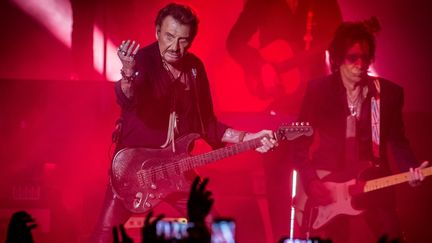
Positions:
{"x": 354, "y": 57}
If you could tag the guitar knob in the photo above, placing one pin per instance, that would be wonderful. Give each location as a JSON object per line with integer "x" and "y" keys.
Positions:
{"x": 153, "y": 186}
{"x": 147, "y": 204}
{"x": 151, "y": 195}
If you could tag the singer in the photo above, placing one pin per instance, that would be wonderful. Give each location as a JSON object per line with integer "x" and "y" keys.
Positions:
{"x": 164, "y": 94}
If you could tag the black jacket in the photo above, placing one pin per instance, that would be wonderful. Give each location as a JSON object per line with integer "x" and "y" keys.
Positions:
{"x": 325, "y": 107}
{"x": 145, "y": 117}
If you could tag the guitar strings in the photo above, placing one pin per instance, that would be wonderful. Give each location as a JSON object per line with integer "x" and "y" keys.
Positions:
{"x": 161, "y": 169}
{"x": 164, "y": 169}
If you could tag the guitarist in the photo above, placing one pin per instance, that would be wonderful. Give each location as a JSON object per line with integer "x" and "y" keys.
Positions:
{"x": 356, "y": 118}
{"x": 163, "y": 94}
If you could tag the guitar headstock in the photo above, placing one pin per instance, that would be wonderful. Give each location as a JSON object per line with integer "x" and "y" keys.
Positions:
{"x": 293, "y": 131}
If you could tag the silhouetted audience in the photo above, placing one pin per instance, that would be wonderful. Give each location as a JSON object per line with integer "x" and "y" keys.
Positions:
{"x": 125, "y": 237}
{"x": 19, "y": 229}
{"x": 386, "y": 239}
{"x": 199, "y": 205}
{"x": 311, "y": 240}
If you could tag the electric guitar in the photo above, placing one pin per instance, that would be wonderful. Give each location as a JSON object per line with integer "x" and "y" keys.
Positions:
{"x": 142, "y": 177}
{"x": 342, "y": 193}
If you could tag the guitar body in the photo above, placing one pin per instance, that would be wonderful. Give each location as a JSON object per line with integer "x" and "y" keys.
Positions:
{"x": 345, "y": 187}
{"x": 342, "y": 203}
{"x": 142, "y": 177}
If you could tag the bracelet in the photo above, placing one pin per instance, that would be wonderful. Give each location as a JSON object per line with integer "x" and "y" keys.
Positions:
{"x": 128, "y": 78}
{"x": 241, "y": 136}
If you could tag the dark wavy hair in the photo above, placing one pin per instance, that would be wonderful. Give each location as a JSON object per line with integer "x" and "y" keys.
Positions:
{"x": 349, "y": 33}
{"x": 182, "y": 13}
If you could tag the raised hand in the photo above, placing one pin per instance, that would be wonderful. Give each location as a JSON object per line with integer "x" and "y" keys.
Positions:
{"x": 200, "y": 201}
{"x": 20, "y": 227}
{"x": 149, "y": 231}
{"x": 125, "y": 236}
{"x": 126, "y": 52}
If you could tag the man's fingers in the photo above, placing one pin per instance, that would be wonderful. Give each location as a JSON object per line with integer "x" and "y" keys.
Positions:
{"x": 130, "y": 48}
{"x": 123, "y": 232}
{"x": 127, "y": 51}
{"x": 267, "y": 144}
{"x": 203, "y": 185}
{"x": 424, "y": 164}
{"x": 418, "y": 174}
{"x": 136, "y": 50}
{"x": 120, "y": 48}
{"x": 126, "y": 45}
{"x": 195, "y": 184}
{"x": 148, "y": 217}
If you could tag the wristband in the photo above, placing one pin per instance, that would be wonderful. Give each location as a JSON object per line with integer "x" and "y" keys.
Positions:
{"x": 128, "y": 78}
{"x": 241, "y": 136}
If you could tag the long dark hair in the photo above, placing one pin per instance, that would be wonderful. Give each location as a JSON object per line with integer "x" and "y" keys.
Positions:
{"x": 349, "y": 33}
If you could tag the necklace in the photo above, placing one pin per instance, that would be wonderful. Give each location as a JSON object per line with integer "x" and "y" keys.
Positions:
{"x": 167, "y": 68}
{"x": 354, "y": 102}
{"x": 353, "y": 109}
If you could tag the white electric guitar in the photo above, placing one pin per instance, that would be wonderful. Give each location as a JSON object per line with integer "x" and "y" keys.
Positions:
{"x": 342, "y": 194}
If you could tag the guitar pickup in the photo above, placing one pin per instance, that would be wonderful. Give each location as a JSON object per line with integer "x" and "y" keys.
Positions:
{"x": 142, "y": 178}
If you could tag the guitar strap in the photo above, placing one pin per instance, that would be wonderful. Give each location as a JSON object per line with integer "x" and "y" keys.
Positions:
{"x": 375, "y": 119}
{"x": 173, "y": 116}
{"x": 172, "y": 127}
{"x": 172, "y": 121}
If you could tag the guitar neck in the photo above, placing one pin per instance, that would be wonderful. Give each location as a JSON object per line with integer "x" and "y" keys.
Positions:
{"x": 392, "y": 180}
{"x": 190, "y": 163}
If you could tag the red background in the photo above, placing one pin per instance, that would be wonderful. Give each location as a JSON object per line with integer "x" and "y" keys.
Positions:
{"x": 57, "y": 111}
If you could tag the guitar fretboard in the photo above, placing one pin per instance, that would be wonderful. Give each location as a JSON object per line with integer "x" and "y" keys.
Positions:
{"x": 392, "y": 180}
{"x": 190, "y": 163}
